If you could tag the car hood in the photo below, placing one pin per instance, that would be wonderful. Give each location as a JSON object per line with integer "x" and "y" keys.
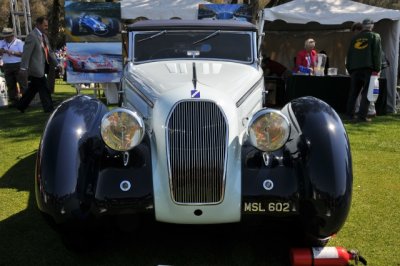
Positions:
{"x": 210, "y": 78}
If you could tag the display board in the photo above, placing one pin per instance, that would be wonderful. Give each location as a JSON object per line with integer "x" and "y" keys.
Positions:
{"x": 94, "y": 49}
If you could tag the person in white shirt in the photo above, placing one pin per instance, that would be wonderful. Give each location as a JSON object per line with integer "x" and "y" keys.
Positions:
{"x": 10, "y": 51}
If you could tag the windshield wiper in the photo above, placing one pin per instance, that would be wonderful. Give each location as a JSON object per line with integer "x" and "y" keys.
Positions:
{"x": 153, "y": 36}
{"x": 207, "y": 37}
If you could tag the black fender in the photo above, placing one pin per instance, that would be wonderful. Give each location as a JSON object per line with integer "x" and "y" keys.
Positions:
{"x": 79, "y": 178}
{"x": 69, "y": 150}
{"x": 324, "y": 165}
{"x": 310, "y": 178}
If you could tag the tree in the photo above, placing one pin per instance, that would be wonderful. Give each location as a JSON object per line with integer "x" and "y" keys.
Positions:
{"x": 56, "y": 21}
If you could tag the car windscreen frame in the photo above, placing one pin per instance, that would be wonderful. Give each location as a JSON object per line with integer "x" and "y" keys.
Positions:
{"x": 218, "y": 45}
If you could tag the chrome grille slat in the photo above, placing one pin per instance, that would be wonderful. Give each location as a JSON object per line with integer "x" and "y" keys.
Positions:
{"x": 197, "y": 147}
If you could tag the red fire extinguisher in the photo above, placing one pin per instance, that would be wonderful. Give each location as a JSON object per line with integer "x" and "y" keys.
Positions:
{"x": 324, "y": 256}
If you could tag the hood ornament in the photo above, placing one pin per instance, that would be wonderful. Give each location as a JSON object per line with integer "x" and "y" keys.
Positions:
{"x": 194, "y": 93}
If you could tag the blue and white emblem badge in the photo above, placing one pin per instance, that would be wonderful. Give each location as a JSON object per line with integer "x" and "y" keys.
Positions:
{"x": 195, "y": 93}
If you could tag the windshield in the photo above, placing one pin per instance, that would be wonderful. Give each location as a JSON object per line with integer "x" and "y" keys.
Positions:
{"x": 218, "y": 45}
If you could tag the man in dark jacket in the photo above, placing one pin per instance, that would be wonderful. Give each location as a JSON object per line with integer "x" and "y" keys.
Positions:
{"x": 364, "y": 58}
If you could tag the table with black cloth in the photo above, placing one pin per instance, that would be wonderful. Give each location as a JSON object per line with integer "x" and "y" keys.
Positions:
{"x": 333, "y": 90}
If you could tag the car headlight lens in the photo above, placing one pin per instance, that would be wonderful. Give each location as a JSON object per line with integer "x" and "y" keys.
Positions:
{"x": 268, "y": 130}
{"x": 122, "y": 129}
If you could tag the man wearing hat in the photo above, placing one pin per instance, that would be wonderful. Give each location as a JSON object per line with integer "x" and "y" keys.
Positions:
{"x": 364, "y": 59}
{"x": 11, "y": 50}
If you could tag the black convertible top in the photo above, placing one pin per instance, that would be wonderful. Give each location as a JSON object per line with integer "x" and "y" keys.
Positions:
{"x": 177, "y": 24}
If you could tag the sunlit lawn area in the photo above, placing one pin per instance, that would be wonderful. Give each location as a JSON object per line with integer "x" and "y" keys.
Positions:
{"x": 26, "y": 239}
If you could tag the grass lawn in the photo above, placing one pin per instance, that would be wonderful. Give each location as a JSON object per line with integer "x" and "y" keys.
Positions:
{"x": 26, "y": 239}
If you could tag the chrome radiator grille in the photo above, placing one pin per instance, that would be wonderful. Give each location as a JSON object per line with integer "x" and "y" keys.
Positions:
{"x": 197, "y": 145}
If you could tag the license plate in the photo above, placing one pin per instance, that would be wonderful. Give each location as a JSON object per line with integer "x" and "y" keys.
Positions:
{"x": 269, "y": 207}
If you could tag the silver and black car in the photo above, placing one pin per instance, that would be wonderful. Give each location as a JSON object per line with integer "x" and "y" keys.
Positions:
{"x": 192, "y": 143}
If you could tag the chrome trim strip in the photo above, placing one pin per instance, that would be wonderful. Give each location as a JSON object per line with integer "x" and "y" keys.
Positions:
{"x": 140, "y": 93}
{"x": 250, "y": 91}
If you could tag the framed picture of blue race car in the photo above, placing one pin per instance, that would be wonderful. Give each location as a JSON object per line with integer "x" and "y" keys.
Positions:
{"x": 92, "y": 21}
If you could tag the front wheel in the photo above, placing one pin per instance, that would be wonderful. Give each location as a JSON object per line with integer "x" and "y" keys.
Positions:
{"x": 74, "y": 26}
{"x": 113, "y": 27}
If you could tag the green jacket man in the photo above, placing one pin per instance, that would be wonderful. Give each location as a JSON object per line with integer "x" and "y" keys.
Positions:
{"x": 365, "y": 51}
{"x": 364, "y": 58}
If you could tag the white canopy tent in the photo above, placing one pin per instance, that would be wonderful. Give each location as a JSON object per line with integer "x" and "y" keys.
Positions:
{"x": 160, "y": 9}
{"x": 287, "y": 26}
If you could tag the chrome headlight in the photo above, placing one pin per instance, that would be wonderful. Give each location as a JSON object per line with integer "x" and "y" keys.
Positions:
{"x": 122, "y": 129}
{"x": 268, "y": 130}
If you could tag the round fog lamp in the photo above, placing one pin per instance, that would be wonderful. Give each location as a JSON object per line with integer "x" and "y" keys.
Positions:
{"x": 268, "y": 130}
{"x": 122, "y": 129}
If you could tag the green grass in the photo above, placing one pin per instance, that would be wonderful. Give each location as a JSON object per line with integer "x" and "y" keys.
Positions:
{"x": 373, "y": 224}
{"x": 26, "y": 239}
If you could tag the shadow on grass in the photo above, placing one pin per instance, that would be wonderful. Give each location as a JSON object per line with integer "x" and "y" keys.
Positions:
{"x": 27, "y": 239}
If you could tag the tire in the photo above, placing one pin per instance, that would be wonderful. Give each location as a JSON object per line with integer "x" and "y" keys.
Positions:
{"x": 114, "y": 27}
{"x": 71, "y": 65}
{"x": 75, "y": 26}
{"x": 68, "y": 22}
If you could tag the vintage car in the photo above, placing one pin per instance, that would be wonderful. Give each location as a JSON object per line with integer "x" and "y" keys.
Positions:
{"x": 192, "y": 143}
{"x": 93, "y": 24}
